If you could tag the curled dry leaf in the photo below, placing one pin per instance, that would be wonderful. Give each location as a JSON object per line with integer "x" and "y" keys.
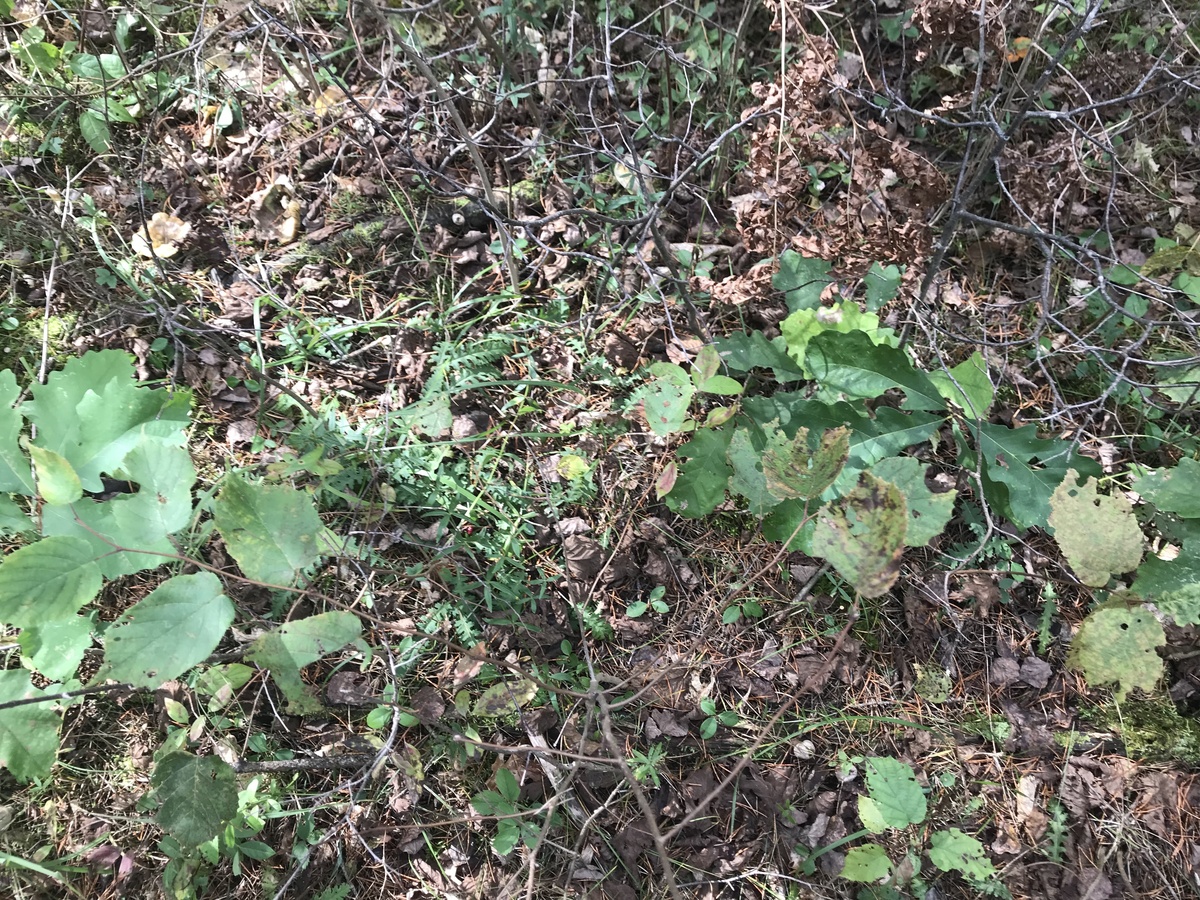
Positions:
{"x": 161, "y": 236}
{"x": 276, "y": 212}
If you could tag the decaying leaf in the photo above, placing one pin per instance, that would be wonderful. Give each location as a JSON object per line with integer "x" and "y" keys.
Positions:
{"x": 863, "y": 536}
{"x": 504, "y": 698}
{"x": 276, "y": 212}
{"x": 1098, "y": 534}
{"x": 793, "y": 472}
{"x": 161, "y": 237}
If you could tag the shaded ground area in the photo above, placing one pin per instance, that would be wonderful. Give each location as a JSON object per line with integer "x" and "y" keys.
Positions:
{"x": 425, "y": 261}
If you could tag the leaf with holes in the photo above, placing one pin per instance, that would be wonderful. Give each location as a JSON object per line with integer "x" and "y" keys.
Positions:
{"x": 1098, "y": 535}
{"x": 928, "y": 512}
{"x": 1117, "y": 643}
{"x": 863, "y": 535}
{"x": 866, "y": 863}
{"x": 666, "y": 398}
{"x": 1175, "y": 490}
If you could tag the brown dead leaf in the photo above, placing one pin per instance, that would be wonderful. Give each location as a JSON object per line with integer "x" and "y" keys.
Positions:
{"x": 161, "y": 237}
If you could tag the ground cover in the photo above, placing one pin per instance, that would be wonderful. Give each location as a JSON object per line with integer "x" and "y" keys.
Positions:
{"x": 598, "y": 449}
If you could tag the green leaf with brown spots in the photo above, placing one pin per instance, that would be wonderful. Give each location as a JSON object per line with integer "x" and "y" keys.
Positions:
{"x": 863, "y": 535}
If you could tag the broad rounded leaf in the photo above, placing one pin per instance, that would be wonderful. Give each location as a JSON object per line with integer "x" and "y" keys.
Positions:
{"x": 867, "y": 863}
{"x": 271, "y": 530}
{"x": 794, "y": 472}
{"x": 863, "y": 535}
{"x": 172, "y": 629}
{"x": 1117, "y": 643}
{"x": 198, "y": 796}
{"x": 666, "y": 398}
{"x": 802, "y": 279}
{"x": 504, "y": 698}
{"x": 701, "y": 481}
{"x": 893, "y": 799}
{"x": 49, "y": 580}
{"x": 1098, "y": 534}
{"x": 55, "y": 648}
{"x": 748, "y": 480}
{"x": 967, "y": 385}
{"x": 953, "y": 851}
{"x": 28, "y": 734}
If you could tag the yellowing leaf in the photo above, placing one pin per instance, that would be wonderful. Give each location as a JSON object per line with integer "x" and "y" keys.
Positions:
{"x": 161, "y": 237}
{"x": 505, "y": 697}
{"x": 1117, "y": 643}
{"x": 863, "y": 537}
{"x": 1098, "y": 534}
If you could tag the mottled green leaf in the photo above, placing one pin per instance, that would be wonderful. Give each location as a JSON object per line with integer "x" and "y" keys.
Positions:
{"x": 863, "y": 535}
{"x": 928, "y": 512}
{"x": 198, "y": 796}
{"x": 505, "y": 698}
{"x": 1098, "y": 534}
{"x": 57, "y": 482}
{"x": 666, "y": 398}
{"x": 28, "y": 734}
{"x": 803, "y": 326}
{"x": 953, "y": 851}
{"x": 793, "y": 472}
{"x": 748, "y": 480}
{"x": 1117, "y": 643}
{"x": 271, "y": 530}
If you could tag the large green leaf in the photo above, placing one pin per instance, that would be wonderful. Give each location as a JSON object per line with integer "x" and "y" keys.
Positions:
{"x": 700, "y": 485}
{"x": 954, "y": 851}
{"x": 93, "y": 413}
{"x": 852, "y": 364}
{"x": 1117, "y": 642}
{"x": 893, "y": 798}
{"x": 271, "y": 530}
{"x": 666, "y": 398}
{"x": 1174, "y": 490}
{"x": 928, "y": 512}
{"x": 744, "y": 351}
{"x": 28, "y": 734}
{"x": 1021, "y": 471}
{"x": 49, "y": 580}
{"x": 801, "y": 327}
{"x": 291, "y": 647}
{"x": 863, "y": 535}
{"x": 197, "y": 795}
{"x": 141, "y": 521}
{"x": 802, "y": 279}
{"x": 1097, "y": 534}
{"x": 15, "y": 477}
{"x": 172, "y": 629}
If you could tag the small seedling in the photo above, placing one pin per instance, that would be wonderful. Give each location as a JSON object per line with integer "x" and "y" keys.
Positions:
{"x": 654, "y": 601}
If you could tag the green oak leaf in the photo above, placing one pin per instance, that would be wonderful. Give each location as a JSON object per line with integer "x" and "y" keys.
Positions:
{"x": 1175, "y": 490}
{"x": 704, "y": 476}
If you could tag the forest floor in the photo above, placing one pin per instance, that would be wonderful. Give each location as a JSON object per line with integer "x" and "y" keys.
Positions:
{"x": 433, "y": 263}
